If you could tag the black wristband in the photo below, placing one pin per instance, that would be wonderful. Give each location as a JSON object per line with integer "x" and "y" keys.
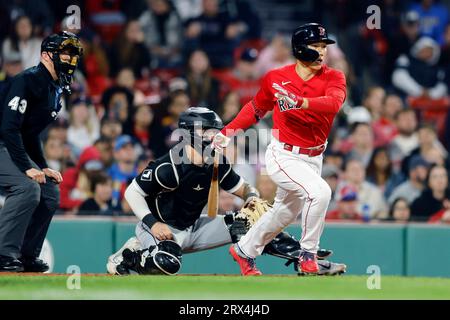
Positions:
{"x": 149, "y": 220}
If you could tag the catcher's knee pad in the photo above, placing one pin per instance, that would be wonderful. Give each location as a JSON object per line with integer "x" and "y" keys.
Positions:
{"x": 164, "y": 258}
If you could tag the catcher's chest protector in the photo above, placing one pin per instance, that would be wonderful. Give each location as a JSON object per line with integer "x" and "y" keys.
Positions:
{"x": 183, "y": 206}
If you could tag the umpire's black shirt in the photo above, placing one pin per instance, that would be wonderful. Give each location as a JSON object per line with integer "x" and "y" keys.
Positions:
{"x": 30, "y": 103}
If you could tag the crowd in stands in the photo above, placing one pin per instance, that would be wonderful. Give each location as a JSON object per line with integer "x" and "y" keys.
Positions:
{"x": 146, "y": 61}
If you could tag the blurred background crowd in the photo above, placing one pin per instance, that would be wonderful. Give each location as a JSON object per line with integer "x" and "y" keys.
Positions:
{"x": 146, "y": 61}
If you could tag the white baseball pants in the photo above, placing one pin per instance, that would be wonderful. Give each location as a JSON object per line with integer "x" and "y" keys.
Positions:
{"x": 301, "y": 190}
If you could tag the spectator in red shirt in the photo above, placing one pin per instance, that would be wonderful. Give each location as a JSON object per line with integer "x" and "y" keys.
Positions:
{"x": 384, "y": 128}
{"x": 75, "y": 187}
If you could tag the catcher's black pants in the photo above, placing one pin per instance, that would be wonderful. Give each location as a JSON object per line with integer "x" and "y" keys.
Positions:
{"x": 27, "y": 212}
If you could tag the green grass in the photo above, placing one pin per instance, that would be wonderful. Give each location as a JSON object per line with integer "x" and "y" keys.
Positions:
{"x": 221, "y": 287}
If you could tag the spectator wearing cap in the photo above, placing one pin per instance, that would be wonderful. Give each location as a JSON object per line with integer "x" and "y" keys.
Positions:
{"x": 75, "y": 187}
{"x": 124, "y": 168}
{"x": 434, "y": 196}
{"x": 402, "y": 41}
{"x": 370, "y": 197}
{"x": 418, "y": 75}
{"x": 84, "y": 127}
{"x": 202, "y": 87}
{"x": 330, "y": 173}
{"x": 244, "y": 78}
{"x": 414, "y": 185}
{"x": 347, "y": 205}
{"x": 100, "y": 201}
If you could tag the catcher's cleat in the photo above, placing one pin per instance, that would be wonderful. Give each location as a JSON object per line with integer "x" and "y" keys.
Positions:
{"x": 247, "y": 265}
{"x": 116, "y": 259}
{"x": 308, "y": 263}
{"x": 327, "y": 268}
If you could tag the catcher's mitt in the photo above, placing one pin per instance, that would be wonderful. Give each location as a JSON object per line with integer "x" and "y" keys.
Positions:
{"x": 253, "y": 211}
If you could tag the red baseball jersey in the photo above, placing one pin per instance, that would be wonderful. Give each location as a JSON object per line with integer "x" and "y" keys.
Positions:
{"x": 325, "y": 91}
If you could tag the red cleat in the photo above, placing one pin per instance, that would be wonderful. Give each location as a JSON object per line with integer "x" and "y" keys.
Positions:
{"x": 307, "y": 263}
{"x": 247, "y": 265}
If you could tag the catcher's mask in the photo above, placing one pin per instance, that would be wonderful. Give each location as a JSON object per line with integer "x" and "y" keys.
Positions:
{"x": 64, "y": 43}
{"x": 202, "y": 124}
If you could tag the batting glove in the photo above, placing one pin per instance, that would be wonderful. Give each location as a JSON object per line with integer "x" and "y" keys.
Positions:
{"x": 220, "y": 141}
{"x": 286, "y": 96}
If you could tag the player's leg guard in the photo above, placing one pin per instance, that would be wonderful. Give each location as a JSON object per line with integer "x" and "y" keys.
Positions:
{"x": 164, "y": 258}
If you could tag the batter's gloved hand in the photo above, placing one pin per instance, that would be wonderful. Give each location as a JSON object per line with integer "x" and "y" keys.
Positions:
{"x": 286, "y": 96}
{"x": 251, "y": 214}
{"x": 220, "y": 141}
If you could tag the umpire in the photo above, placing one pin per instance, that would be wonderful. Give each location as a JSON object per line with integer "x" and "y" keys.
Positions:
{"x": 31, "y": 101}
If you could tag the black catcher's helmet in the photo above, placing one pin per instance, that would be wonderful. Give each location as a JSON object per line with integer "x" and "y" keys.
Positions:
{"x": 68, "y": 43}
{"x": 307, "y": 34}
{"x": 200, "y": 116}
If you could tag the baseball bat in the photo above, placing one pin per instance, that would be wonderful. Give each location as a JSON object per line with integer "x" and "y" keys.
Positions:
{"x": 213, "y": 196}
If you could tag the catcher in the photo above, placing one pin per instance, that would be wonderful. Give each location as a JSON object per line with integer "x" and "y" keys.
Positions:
{"x": 168, "y": 198}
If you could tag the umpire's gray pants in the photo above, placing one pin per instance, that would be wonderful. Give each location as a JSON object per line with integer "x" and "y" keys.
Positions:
{"x": 27, "y": 212}
{"x": 206, "y": 233}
